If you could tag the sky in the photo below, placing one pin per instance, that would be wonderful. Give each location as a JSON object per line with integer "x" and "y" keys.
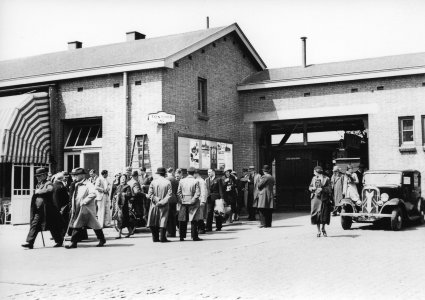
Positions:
{"x": 336, "y": 30}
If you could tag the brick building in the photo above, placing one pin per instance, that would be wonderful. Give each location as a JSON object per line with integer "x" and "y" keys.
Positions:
{"x": 102, "y": 100}
{"x": 205, "y": 99}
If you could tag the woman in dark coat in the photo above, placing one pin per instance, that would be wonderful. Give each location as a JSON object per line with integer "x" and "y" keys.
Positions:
{"x": 229, "y": 192}
{"x": 122, "y": 208}
{"x": 321, "y": 190}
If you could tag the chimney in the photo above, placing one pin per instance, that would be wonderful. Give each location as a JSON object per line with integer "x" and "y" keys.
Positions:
{"x": 134, "y": 35}
{"x": 75, "y": 45}
{"x": 304, "y": 52}
{"x": 208, "y": 22}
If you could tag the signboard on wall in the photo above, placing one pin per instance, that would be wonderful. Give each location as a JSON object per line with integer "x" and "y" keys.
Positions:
{"x": 204, "y": 154}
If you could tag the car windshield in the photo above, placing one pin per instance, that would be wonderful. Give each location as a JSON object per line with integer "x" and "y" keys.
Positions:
{"x": 382, "y": 178}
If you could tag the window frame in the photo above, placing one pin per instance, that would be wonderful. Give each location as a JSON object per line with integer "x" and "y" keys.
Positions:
{"x": 202, "y": 96}
{"x": 401, "y": 131}
{"x": 99, "y": 135}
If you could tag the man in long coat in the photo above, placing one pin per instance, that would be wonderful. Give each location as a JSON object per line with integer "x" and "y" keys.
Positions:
{"x": 215, "y": 191}
{"x": 172, "y": 218}
{"x": 188, "y": 194}
{"x": 265, "y": 199}
{"x": 203, "y": 201}
{"x": 61, "y": 198}
{"x": 84, "y": 210}
{"x": 102, "y": 187}
{"x": 44, "y": 215}
{"x": 253, "y": 180}
{"x": 159, "y": 194}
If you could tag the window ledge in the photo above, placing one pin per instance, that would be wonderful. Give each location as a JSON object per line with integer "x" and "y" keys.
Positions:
{"x": 203, "y": 117}
{"x": 407, "y": 148}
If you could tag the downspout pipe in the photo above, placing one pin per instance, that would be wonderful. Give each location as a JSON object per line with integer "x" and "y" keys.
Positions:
{"x": 126, "y": 117}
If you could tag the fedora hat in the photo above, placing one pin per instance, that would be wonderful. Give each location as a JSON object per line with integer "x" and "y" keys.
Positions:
{"x": 161, "y": 170}
{"x": 191, "y": 170}
{"x": 78, "y": 171}
{"x": 135, "y": 173}
{"x": 41, "y": 171}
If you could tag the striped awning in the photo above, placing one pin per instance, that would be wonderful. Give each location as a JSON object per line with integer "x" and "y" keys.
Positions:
{"x": 25, "y": 128}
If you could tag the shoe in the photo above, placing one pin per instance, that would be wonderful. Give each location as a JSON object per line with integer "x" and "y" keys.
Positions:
{"x": 165, "y": 241}
{"x": 101, "y": 243}
{"x": 318, "y": 235}
{"x": 197, "y": 239}
{"x": 324, "y": 233}
{"x": 261, "y": 226}
{"x": 28, "y": 245}
{"x": 58, "y": 245}
{"x": 71, "y": 246}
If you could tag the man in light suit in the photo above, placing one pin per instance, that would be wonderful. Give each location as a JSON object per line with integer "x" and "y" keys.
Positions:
{"x": 265, "y": 202}
{"x": 159, "y": 194}
{"x": 102, "y": 187}
{"x": 253, "y": 180}
{"x": 84, "y": 210}
{"x": 188, "y": 193}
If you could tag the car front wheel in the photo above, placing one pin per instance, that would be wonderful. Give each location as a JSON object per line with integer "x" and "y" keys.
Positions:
{"x": 396, "y": 219}
{"x": 346, "y": 221}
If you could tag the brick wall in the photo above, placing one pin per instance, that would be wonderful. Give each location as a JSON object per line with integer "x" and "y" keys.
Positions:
{"x": 402, "y": 96}
{"x": 223, "y": 65}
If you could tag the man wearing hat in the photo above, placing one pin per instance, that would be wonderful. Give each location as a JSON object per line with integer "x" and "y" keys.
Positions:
{"x": 215, "y": 192}
{"x": 84, "y": 209}
{"x": 137, "y": 196}
{"x": 243, "y": 190}
{"x": 265, "y": 202}
{"x": 253, "y": 180}
{"x": 159, "y": 194}
{"x": 188, "y": 193}
{"x": 44, "y": 215}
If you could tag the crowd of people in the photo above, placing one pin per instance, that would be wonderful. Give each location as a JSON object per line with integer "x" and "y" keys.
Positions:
{"x": 69, "y": 204}
{"x": 328, "y": 190}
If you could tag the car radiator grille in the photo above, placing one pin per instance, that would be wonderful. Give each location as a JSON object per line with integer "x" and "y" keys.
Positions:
{"x": 370, "y": 198}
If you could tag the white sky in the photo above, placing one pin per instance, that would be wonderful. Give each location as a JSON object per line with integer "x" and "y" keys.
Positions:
{"x": 336, "y": 29}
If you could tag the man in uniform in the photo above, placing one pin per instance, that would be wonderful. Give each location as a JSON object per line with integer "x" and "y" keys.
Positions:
{"x": 44, "y": 214}
{"x": 84, "y": 210}
{"x": 188, "y": 194}
{"x": 159, "y": 194}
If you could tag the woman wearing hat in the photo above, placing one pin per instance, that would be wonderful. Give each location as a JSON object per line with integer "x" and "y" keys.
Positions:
{"x": 229, "y": 192}
{"x": 320, "y": 188}
{"x": 122, "y": 198}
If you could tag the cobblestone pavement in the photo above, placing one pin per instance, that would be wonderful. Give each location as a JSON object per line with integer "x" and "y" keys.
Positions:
{"x": 242, "y": 261}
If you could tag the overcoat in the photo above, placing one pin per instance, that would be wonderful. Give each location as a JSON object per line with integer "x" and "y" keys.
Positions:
{"x": 84, "y": 206}
{"x": 50, "y": 215}
{"x": 60, "y": 195}
{"x": 337, "y": 184}
{"x": 253, "y": 181}
{"x": 320, "y": 204}
{"x": 189, "y": 192}
{"x": 203, "y": 197}
{"x": 123, "y": 197}
{"x": 265, "y": 192}
{"x": 159, "y": 194}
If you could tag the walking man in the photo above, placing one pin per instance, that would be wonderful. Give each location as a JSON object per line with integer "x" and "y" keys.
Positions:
{"x": 159, "y": 194}
{"x": 84, "y": 210}
{"x": 44, "y": 215}
{"x": 188, "y": 193}
{"x": 253, "y": 180}
{"x": 265, "y": 202}
{"x": 215, "y": 191}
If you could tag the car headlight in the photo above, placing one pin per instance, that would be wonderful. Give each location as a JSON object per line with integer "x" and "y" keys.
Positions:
{"x": 384, "y": 197}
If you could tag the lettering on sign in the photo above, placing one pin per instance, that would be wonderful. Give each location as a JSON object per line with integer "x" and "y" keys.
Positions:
{"x": 161, "y": 117}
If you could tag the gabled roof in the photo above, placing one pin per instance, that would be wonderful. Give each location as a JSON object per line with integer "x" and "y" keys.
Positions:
{"x": 397, "y": 65}
{"x": 126, "y": 56}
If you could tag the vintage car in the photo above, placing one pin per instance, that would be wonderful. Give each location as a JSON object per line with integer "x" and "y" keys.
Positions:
{"x": 395, "y": 195}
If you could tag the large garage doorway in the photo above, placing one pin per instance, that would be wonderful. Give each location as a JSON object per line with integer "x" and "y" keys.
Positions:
{"x": 295, "y": 147}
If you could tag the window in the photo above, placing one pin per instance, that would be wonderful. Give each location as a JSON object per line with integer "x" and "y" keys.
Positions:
{"x": 202, "y": 96}
{"x": 21, "y": 182}
{"x": 406, "y": 128}
{"x": 84, "y": 136}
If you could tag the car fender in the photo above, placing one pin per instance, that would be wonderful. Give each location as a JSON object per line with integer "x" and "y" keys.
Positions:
{"x": 390, "y": 204}
{"x": 349, "y": 202}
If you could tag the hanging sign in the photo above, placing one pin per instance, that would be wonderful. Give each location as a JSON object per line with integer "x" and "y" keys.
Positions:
{"x": 161, "y": 117}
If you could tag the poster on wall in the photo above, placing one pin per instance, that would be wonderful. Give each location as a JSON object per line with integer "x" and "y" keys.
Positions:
{"x": 205, "y": 155}
{"x": 194, "y": 153}
{"x": 221, "y": 163}
{"x": 213, "y": 156}
{"x": 228, "y": 157}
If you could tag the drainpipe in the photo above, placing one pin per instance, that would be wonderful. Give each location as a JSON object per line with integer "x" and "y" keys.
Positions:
{"x": 304, "y": 51}
{"x": 126, "y": 116}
